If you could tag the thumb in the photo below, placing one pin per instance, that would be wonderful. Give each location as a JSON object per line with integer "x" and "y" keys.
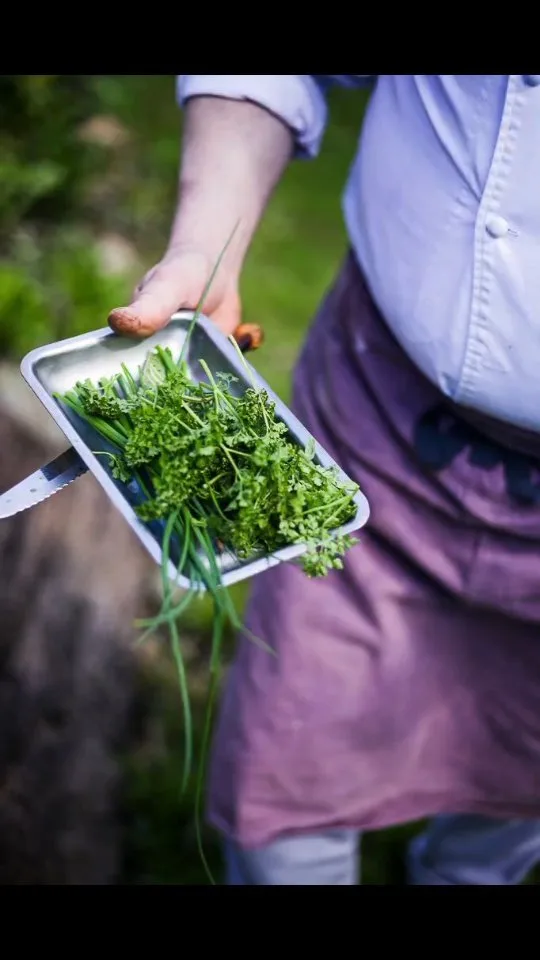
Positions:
{"x": 162, "y": 293}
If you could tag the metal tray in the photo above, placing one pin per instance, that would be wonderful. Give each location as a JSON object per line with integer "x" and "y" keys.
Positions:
{"x": 56, "y": 368}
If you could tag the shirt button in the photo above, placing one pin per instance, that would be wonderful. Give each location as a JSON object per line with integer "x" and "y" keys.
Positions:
{"x": 532, "y": 79}
{"x": 496, "y": 226}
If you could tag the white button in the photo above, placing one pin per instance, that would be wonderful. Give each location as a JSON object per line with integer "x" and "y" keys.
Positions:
{"x": 532, "y": 79}
{"x": 496, "y": 226}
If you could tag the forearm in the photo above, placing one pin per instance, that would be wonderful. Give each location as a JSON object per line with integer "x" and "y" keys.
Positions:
{"x": 240, "y": 132}
{"x": 233, "y": 154}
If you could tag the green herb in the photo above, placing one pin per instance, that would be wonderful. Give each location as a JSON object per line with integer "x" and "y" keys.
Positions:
{"x": 217, "y": 471}
{"x": 222, "y": 464}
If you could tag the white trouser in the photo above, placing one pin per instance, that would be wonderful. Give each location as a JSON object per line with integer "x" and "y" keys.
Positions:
{"x": 453, "y": 850}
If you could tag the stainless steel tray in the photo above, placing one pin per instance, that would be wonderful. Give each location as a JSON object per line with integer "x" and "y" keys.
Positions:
{"x": 56, "y": 368}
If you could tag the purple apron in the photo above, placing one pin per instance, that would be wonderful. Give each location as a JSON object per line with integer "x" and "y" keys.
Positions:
{"x": 407, "y": 685}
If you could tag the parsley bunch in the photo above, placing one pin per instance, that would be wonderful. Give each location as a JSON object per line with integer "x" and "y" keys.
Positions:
{"x": 225, "y": 462}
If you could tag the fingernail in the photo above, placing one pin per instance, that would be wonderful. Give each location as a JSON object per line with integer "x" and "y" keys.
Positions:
{"x": 124, "y": 319}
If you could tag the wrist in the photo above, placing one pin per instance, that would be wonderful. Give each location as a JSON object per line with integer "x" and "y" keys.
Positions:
{"x": 204, "y": 221}
{"x": 232, "y": 156}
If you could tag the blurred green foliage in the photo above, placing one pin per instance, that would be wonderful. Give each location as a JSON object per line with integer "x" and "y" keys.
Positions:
{"x": 51, "y": 283}
{"x": 42, "y": 161}
{"x": 53, "y": 289}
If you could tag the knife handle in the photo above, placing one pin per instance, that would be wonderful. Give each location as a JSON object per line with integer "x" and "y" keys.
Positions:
{"x": 249, "y": 336}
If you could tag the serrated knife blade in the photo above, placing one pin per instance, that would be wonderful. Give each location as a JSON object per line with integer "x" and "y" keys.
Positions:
{"x": 42, "y": 484}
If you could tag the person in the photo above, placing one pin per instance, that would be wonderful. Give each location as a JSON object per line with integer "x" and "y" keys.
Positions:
{"x": 406, "y": 687}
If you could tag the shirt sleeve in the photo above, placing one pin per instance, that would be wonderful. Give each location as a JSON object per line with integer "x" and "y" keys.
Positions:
{"x": 299, "y": 100}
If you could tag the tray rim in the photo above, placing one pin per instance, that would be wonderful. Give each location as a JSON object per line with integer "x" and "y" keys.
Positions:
{"x": 245, "y": 570}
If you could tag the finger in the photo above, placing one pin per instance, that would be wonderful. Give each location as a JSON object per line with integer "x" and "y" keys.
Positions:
{"x": 142, "y": 283}
{"x": 227, "y": 316}
{"x": 161, "y": 296}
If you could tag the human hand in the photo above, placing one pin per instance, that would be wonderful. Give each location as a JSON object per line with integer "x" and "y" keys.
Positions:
{"x": 177, "y": 282}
